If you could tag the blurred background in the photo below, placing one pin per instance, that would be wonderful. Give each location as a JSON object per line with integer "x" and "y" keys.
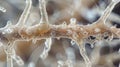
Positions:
{"x": 63, "y": 51}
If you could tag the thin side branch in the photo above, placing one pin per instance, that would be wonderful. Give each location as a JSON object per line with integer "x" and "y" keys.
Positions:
{"x": 43, "y": 12}
{"x": 25, "y": 14}
{"x": 108, "y": 11}
{"x": 83, "y": 52}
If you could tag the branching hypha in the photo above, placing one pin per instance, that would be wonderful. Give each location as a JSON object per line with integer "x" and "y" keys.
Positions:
{"x": 44, "y": 30}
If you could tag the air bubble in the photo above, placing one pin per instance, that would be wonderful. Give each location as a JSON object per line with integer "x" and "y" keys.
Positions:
{"x": 83, "y": 31}
{"x": 64, "y": 24}
{"x": 69, "y": 32}
{"x": 97, "y": 30}
{"x": 72, "y": 42}
{"x": 92, "y": 45}
{"x": 73, "y": 21}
